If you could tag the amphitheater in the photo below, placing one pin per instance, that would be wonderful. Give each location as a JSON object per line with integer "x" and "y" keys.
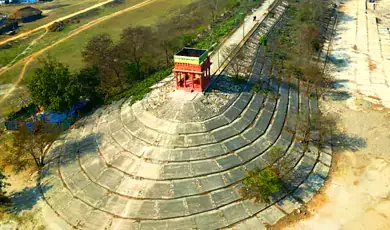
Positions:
{"x": 176, "y": 160}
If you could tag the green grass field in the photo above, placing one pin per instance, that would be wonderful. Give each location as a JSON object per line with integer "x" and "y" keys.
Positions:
{"x": 51, "y": 10}
{"x": 10, "y": 51}
{"x": 69, "y": 51}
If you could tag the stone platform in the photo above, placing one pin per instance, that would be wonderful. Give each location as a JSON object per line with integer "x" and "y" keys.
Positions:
{"x": 179, "y": 164}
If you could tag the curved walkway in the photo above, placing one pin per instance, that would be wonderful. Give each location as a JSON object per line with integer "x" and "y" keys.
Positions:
{"x": 124, "y": 168}
{"x": 361, "y": 53}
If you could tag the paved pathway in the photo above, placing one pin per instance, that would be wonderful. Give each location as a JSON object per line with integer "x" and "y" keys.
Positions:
{"x": 126, "y": 168}
{"x": 240, "y": 34}
{"x": 361, "y": 53}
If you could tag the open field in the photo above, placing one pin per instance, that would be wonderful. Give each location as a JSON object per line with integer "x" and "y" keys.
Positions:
{"x": 51, "y": 10}
{"x": 69, "y": 51}
{"x": 11, "y": 50}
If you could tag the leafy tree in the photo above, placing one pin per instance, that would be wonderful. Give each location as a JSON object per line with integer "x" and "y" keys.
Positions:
{"x": 88, "y": 82}
{"x": 137, "y": 43}
{"x": 261, "y": 184}
{"x": 52, "y": 86}
{"x": 32, "y": 145}
{"x": 102, "y": 53}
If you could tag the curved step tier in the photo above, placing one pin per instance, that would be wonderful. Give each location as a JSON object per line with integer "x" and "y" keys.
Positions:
{"x": 128, "y": 168}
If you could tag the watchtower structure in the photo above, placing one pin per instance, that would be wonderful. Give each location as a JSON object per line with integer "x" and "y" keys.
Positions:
{"x": 192, "y": 69}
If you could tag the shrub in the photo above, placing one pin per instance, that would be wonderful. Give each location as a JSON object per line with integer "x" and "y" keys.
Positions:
{"x": 263, "y": 41}
{"x": 261, "y": 184}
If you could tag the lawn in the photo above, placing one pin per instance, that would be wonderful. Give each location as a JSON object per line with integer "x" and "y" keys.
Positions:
{"x": 51, "y": 10}
{"x": 10, "y": 51}
{"x": 69, "y": 51}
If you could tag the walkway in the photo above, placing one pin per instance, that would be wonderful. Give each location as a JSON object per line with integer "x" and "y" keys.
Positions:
{"x": 241, "y": 33}
{"x": 361, "y": 53}
{"x": 238, "y": 36}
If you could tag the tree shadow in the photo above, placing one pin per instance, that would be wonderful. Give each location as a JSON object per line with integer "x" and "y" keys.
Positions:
{"x": 25, "y": 199}
{"x": 338, "y": 95}
{"x": 228, "y": 84}
{"x": 338, "y": 61}
{"x": 346, "y": 142}
{"x": 71, "y": 150}
{"x": 345, "y": 17}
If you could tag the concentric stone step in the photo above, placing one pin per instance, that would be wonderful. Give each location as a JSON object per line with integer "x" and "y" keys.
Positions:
{"x": 126, "y": 167}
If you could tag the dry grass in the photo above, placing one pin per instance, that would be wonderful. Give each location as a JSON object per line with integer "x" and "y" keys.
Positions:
{"x": 371, "y": 64}
{"x": 373, "y": 97}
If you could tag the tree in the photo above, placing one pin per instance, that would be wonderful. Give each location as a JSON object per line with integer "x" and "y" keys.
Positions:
{"x": 137, "y": 44}
{"x": 88, "y": 82}
{"x": 261, "y": 184}
{"x": 52, "y": 86}
{"x": 102, "y": 53}
{"x": 303, "y": 128}
{"x": 237, "y": 60}
{"x": 32, "y": 144}
{"x": 3, "y": 184}
{"x": 166, "y": 41}
{"x": 213, "y": 6}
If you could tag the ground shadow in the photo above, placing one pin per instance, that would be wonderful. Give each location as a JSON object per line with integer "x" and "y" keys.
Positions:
{"x": 338, "y": 95}
{"x": 25, "y": 199}
{"x": 346, "y": 142}
{"x": 69, "y": 153}
{"x": 338, "y": 61}
{"x": 342, "y": 16}
{"x": 60, "y": 155}
{"x": 228, "y": 84}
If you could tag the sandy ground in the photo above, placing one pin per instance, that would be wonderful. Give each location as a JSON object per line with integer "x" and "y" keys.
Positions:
{"x": 357, "y": 194}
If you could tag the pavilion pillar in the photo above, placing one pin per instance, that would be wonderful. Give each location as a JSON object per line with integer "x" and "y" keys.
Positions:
{"x": 192, "y": 80}
{"x": 175, "y": 75}
{"x": 201, "y": 81}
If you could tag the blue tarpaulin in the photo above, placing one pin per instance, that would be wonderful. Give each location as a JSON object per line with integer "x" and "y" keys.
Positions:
{"x": 28, "y": 1}
{"x": 56, "y": 118}
{"x": 64, "y": 118}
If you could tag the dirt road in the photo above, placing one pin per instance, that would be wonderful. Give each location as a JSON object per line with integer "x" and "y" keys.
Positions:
{"x": 50, "y": 23}
{"x": 30, "y": 58}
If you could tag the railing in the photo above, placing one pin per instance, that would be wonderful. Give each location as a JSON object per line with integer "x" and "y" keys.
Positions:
{"x": 215, "y": 76}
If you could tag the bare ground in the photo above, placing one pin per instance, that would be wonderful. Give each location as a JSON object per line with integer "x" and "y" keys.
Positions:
{"x": 357, "y": 193}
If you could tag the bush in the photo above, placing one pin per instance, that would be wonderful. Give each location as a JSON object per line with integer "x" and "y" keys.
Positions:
{"x": 140, "y": 89}
{"x": 24, "y": 113}
{"x": 261, "y": 184}
{"x": 263, "y": 41}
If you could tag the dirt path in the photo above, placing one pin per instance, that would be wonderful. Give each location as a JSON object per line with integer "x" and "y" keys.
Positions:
{"x": 30, "y": 58}
{"x": 57, "y": 20}
{"x": 25, "y": 50}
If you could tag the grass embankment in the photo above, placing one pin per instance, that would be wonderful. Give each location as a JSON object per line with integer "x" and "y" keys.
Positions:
{"x": 219, "y": 30}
